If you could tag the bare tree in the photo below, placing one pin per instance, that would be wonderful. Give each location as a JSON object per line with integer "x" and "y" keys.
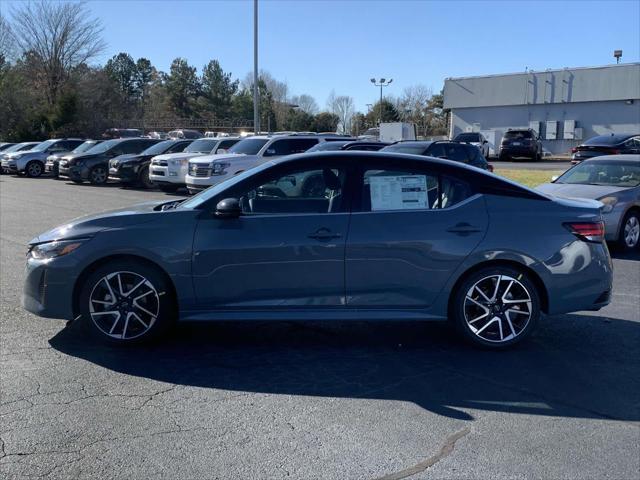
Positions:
{"x": 7, "y": 43}
{"x": 343, "y": 107}
{"x": 413, "y": 105}
{"x": 59, "y": 36}
{"x": 305, "y": 103}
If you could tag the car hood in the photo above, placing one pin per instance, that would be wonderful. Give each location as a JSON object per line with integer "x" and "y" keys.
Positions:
{"x": 568, "y": 190}
{"x": 89, "y": 225}
{"x": 126, "y": 157}
{"x": 81, "y": 156}
{"x": 223, "y": 156}
{"x": 177, "y": 156}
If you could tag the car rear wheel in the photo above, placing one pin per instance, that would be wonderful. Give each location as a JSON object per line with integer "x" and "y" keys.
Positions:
{"x": 98, "y": 175}
{"x": 34, "y": 169}
{"x": 496, "y": 307}
{"x": 126, "y": 303}
{"x": 629, "y": 237}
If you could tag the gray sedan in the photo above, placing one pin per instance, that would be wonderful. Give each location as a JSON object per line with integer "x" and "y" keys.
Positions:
{"x": 615, "y": 181}
{"x": 327, "y": 236}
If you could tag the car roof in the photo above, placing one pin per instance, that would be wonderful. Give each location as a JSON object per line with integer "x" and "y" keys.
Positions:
{"x": 630, "y": 158}
{"x": 611, "y": 139}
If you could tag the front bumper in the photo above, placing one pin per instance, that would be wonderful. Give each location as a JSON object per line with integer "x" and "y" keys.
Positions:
{"x": 168, "y": 175}
{"x": 9, "y": 167}
{"x": 74, "y": 172}
{"x": 52, "y": 167}
{"x": 48, "y": 289}
{"x": 123, "y": 174}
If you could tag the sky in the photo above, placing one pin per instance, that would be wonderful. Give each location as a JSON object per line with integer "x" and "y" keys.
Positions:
{"x": 320, "y": 46}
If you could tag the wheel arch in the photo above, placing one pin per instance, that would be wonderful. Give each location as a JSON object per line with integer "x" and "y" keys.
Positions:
{"x": 79, "y": 283}
{"x": 535, "y": 278}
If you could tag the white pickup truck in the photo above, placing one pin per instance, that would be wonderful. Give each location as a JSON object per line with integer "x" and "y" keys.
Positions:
{"x": 168, "y": 171}
{"x": 208, "y": 170}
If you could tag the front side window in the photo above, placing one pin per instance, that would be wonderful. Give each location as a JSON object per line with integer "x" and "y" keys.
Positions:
{"x": 290, "y": 146}
{"x": 311, "y": 190}
{"x": 410, "y": 189}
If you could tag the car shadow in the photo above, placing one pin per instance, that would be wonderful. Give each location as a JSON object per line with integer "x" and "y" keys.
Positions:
{"x": 622, "y": 255}
{"x": 574, "y": 366}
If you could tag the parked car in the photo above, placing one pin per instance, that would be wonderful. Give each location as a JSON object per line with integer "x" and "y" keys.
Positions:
{"x": 349, "y": 144}
{"x": 613, "y": 144}
{"x": 31, "y": 162}
{"x": 615, "y": 181}
{"x": 53, "y": 161}
{"x": 474, "y": 138}
{"x": 133, "y": 169}
{"x": 193, "y": 134}
{"x": 244, "y": 155}
{"x": 458, "y": 152}
{"x": 5, "y": 145}
{"x": 93, "y": 165}
{"x": 6, "y": 157}
{"x": 347, "y": 235}
{"x": 114, "y": 133}
{"x": 168, "y": 171}
{"x": 521, "y": 143}
{"x": 158, "y": 135}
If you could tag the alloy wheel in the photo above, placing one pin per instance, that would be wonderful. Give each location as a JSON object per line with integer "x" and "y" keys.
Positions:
{"x": 99, "y": 175}
{"x": 124, "y": 305}
{"x": 497, "y": 308}
{"x": 631, "y": 231}
{"x": 34, "y": 169}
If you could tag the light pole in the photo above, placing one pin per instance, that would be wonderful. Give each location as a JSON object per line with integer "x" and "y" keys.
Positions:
{"x": 256, "y": 116}
{"x": 381, "y": 83}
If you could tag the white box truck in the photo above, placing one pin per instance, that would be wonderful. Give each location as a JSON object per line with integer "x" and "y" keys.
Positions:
{"x": 397, "y": 131}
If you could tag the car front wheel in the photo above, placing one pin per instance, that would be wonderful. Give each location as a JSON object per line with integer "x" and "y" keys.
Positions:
{"x": 34, "y": 169}
{"x": 629, "y": 237}
{"x": 98, "y": 175}
{"x": 127, "y": 302}
{"x": 496, "y": 307}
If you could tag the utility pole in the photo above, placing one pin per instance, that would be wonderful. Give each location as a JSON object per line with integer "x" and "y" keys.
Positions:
{"x": 256, "y": 115}
{"x": 381, "y": 83}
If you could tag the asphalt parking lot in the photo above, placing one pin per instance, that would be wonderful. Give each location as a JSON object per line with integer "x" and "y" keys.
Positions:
{"x": 307, "y": 400}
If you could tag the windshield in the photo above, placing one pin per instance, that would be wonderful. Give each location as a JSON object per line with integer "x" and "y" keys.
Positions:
{"x": 599, "y": 172}
{"x": 248, "y": 146}
{"x": 468, "y": 137}
{"x": 159, "y": 148}
{"x": 204, "y": 145}
{"x": 406, "y": 148}
{"x": 41, "y": 147}
{"x": 83, "y": 147}
{"x": 16, "y": 148}
{"x": 205, "y": 195}
{"x": 104, "y": 146}
{"x": 328, "y": 146}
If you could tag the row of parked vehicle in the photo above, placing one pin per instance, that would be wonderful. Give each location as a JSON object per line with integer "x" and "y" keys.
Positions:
{"x": 195, "y": 164}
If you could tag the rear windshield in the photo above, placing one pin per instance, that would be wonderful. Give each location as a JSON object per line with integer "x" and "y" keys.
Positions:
{"x": 204, "y": 145}
{"x": 606, "y": 140}
{"x": 518, "y": 134}
{"x": 405, "y": 148}
{"x": 468, "y": 137}
{"x": 327, "y": 146}
{"x": 248, "y": 146}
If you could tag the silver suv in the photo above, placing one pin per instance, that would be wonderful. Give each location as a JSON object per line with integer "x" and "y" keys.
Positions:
{"x": 32, "y": 162}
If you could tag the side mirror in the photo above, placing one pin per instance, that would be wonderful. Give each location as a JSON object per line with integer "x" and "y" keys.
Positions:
{"x": 555, "y": 177}
{"x": 485, "y": 141}
{"x": 269, "y": 152}
{"x": 228, "y": 208}
{"x": 221, "y": 150}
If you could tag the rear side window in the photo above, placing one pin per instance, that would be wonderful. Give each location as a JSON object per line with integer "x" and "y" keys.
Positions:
{"x": 226, "y": 144}
{"x": 404, "y": 189}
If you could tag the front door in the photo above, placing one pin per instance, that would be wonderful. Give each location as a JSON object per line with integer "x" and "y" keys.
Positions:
{"x": 413, "y": 228}
{"x": 285, "y": 250}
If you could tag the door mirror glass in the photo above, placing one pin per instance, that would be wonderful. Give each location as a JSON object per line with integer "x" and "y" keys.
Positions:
{"x": 228, "y": 208}
{"x": 221, "y": 150}
{"x": 269, "y": 152}
{"x": 554, "y": 178}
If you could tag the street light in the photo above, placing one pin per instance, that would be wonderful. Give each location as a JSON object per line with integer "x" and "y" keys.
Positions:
{"x": 256, "y": 116}
{"x": 381, "y": 83}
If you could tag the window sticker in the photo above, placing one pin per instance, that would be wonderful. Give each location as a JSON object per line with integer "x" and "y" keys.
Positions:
{"x": 398, "y": 192}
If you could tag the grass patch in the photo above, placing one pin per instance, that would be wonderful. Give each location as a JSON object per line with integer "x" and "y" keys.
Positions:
{"x": 530, "y": 178}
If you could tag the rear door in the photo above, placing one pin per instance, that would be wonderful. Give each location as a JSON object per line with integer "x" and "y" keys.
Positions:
{"x": 411, "y": 227}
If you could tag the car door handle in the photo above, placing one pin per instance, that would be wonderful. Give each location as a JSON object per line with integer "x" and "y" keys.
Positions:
{"x": 324, "y": 234}
{"x": 464, "y": 228}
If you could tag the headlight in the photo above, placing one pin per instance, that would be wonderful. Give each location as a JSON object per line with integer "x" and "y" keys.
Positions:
{"x": 609, "y": 203}
{"x": 218, "y": 167}
{"x": 54, "y": 249}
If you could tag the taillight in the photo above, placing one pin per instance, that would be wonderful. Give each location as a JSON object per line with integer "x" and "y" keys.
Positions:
{"x": 490, "y": 167}
{"x": 589, "y": 231}
{"x": 614, "y": 151}
{"x": 574, "y": 149}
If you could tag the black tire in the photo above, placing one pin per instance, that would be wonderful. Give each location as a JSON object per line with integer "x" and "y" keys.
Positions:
{"x": 34, "y": 169}
{"x": 109, "y": 327}
{"x": 77, "y": 181}
{"x": 627, "y": 242}
{"x": 98, "y": 175}
{"x": 510, "y": 328}
{"x": 504, "y": 157}
{"x": 538, "y": 157}
{"x": 169, "y": 188}
{"x": 143, "y": 179}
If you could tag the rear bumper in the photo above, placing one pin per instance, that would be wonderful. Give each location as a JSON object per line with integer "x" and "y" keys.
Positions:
{"x": 518, "y": 151}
